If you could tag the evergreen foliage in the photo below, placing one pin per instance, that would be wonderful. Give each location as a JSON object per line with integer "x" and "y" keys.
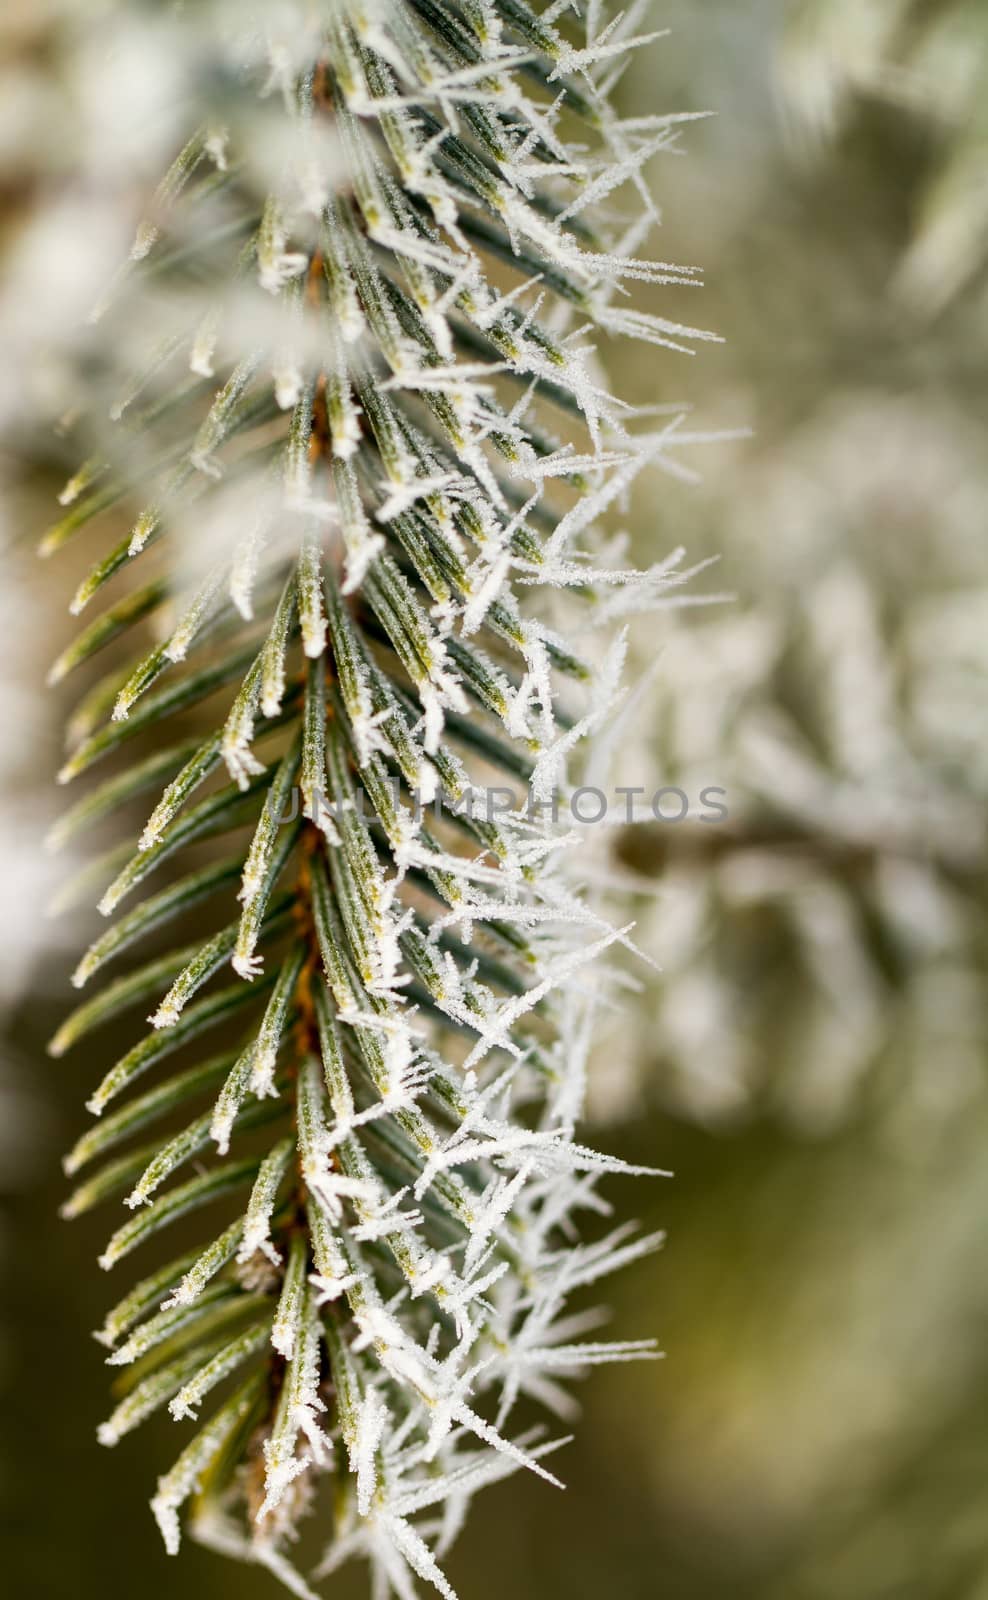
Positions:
{"x": 370, "y": 448}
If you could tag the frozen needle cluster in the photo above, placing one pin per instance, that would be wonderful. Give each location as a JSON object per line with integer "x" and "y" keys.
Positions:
{"x": 360, "y": 426}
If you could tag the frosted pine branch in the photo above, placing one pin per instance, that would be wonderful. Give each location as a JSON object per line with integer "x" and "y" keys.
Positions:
{"x": 361, "y": 457}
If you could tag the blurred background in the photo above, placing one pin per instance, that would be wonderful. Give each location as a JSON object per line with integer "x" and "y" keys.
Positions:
{"x": 811, "y": 1058}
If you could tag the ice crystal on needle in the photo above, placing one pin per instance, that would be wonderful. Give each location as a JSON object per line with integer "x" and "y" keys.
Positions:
{"x": 371, "y": 431}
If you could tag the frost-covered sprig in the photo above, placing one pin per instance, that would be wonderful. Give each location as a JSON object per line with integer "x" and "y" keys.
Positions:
{"x": 367, "y": 453}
